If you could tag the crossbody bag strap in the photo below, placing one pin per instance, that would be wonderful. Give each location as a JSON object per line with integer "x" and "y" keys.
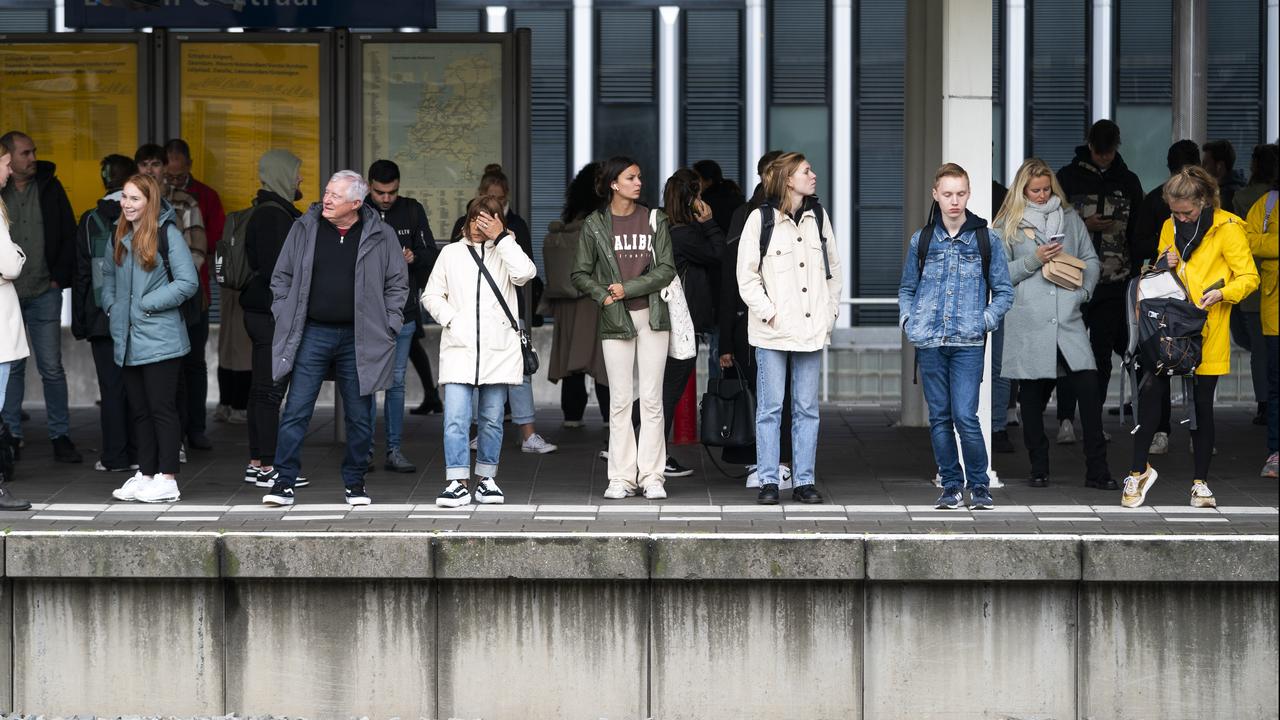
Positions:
{"x": 494, "y": 286}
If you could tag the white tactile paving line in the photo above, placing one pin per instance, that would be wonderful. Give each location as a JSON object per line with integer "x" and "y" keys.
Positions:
{"x": 177, "y": 512}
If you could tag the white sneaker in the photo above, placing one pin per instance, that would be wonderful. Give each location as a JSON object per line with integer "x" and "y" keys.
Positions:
{"x": 653, "y": 490}
{"x": 221, "y": 413}
{"x": 603, "y": 454}
{"x": 129, "y": 491}
{"x": 1202, "y": 496}
{"x": 1159, "y": 444}
{"x": 784, "y": 477}
{"x": 537, "y": 445}
{"x": 99, "y": 467}
{"x": 161, "y": 489}
{"x": 488, "y": 492}
{"x": 753, "y": 477}
{"x": 618, "y": 490}
{"x": 182, "y": 454}
{"x": 455, "y": 494}
{"x": 238, "y": 417}
{"x": 1066, "y": 432}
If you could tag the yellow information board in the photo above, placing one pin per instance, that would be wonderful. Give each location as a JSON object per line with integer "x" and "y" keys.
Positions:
{"x": 241, "y": 99}
{"x": 78, "y": 101}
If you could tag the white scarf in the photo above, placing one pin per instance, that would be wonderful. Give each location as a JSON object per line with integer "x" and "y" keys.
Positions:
{"x": 1046, "y": 218}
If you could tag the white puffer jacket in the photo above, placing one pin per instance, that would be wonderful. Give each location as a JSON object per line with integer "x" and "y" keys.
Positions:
{"x": 478, "y": 345}
{"x": 13, "y": 333}
{"x": 791, "y": 305}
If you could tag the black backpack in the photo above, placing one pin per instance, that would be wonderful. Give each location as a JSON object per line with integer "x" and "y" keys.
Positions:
{"x": 1166, "y": 334}
{"x": 766, "y": 231}
{"x": 191, "y": 309}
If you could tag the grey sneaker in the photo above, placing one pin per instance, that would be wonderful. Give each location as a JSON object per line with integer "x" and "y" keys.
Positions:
{"x": 537, "y": 445}
{"x": 397, "y": 462}
{"x": 1066, "y": 432}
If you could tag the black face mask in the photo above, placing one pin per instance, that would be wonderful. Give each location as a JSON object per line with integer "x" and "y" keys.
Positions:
{"x": 1187, "y": 235}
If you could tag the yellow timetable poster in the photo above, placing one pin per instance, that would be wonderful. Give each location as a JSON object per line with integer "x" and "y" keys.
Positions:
{"x": 240, "y": 100}
{"x": 78, "y": 101}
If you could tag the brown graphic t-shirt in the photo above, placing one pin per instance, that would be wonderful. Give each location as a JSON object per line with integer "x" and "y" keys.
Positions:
{"x": 632, "y": 240}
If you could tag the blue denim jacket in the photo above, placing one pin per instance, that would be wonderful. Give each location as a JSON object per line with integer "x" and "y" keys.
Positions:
{"x": 947, "y": 304}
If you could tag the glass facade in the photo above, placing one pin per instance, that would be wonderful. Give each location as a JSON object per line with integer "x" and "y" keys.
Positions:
{"x": 1058, "y": 80}
{"x": 1144, "y": 87}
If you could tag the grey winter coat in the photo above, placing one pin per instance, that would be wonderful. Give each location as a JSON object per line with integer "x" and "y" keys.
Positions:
{"x": 382, "y": 284}
{"x": 1046, "y": 318}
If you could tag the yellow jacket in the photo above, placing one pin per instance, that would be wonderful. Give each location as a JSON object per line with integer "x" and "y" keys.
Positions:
{"x": 1266, "y": 248}
{"x": 1223, "y": 254}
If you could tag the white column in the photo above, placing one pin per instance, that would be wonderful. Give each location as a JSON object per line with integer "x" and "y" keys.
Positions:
{"x": 1100, "y": 95}
{"x": 584, "y": 97}
{"x": 1272, "y": 50}
{"x": 757, "y": 122}
{"x": 842, "y": 126}
{"x": 1015, "y": 86}
{"x": 668, "y": 91}
{"x": 495, "y": 19}
{"x": 60, "y": 19}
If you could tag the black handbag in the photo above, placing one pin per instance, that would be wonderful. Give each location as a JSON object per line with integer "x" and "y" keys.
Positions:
{"x": 728, "y": 413}
{"x": 527, "y": 352}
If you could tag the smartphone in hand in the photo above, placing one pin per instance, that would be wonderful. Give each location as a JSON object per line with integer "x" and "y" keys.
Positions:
{"x": 1057, "y": 239}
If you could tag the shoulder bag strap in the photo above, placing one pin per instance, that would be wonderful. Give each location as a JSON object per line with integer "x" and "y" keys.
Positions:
{"x": 494, "y": 286}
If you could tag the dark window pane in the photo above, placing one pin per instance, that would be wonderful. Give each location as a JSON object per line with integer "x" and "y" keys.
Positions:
{"x": 1235, "y": 74}
{"x": 459, "y": 21}
{"x": 625, "y": 60}
{"x": 632, "y": 130}
{"x": 1145, "y": 53}
{"x": 799, "y": 56}
{"x": 1059, "y": 102}
{"x": 713, "y": 89}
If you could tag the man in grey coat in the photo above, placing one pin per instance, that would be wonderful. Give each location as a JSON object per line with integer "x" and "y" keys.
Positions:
{"x": 338, "y": 294}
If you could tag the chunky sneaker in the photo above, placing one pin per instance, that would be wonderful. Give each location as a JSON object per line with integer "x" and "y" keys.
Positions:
{"x": 251, "y": 474}
{"x": 1066, "y": 432}
{"x": 653, "y": 490}
{"x": 9, "y": 501}
{"x": 279, "y": 496}
{"x": 65, "y": 451}
{"x": 1159, "y": 444}
{"x": 455, "y": 495}
{"x": 619, "y": 489}
{"x": 537, "y": 445}
{"x": 980, "y": 498}
{"x": 488, "y": 492}
{"x": 768, "y": 494}
{"x": 753, "y": 477}
{"x": 807, "y": 494}
{"x": 397, "y": 462}
{"x": 161, "y": 489}
{"x": 1272, "y": 466}
{"x": 604, "y": 453}
{"x": 1202, "y": 496}
{"x": 268, "y": 479}
{"x": 99, "y": 467}
{"x": 784, "y": 477}
{"x": 949, "y": 500}
{"x": 129, "y": 491}
{"x": 675, "y": 469}
{"x": 356, "y": 496}
{"x": 1136, "y": 487}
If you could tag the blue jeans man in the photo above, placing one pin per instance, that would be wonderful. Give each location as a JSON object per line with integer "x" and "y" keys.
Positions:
{"x": 951, "y": 377}
{"x": 43, "y": 317}
{"x": 324, "y": 344}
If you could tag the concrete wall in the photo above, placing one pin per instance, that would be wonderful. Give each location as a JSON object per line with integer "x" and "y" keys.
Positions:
{"x": 637, "y": 626}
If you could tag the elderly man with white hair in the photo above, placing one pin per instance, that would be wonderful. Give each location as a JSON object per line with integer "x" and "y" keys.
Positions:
{"x": 338, "y": 294}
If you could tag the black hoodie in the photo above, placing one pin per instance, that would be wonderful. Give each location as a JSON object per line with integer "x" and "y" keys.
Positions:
{"x": 59, "y": 225}
{"x": 88, "y": 321}
{"x": 1114, "y": 193}
{"x": 264, "y": 236}
{"x": 409, "y": 219}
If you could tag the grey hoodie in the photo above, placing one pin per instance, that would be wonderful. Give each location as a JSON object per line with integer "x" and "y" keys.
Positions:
{"x": 381, "y": 286}
{"x": 278, "y": 171}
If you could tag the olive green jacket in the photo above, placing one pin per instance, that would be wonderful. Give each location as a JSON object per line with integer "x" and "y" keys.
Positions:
{"x": 595, "y": 269}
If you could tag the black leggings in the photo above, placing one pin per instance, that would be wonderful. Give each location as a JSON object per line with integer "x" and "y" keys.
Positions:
{"x": 1149, "y": 411}
{"x": 153, "y": 394}
{"x": 265, "y": 394}
{"x": 573, "y": 397}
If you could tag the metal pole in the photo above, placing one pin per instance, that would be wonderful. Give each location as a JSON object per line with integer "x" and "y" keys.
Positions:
{"x": 1190, "y": 65}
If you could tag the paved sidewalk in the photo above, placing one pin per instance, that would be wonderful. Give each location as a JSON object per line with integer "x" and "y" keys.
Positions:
{"x": 875, "y": 477}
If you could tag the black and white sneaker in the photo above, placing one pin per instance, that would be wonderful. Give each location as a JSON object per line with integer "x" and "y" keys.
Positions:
{"x": 301, "y": 482}
{"x": 251, "y": 475}
{"x": 267, "y": 479}
{"x": 675, "y": 469}
{"x": 488, "y": 492}
{"x": 357, "y": 496}
{"x": 280, "y": 495}
{"x": 455, "y": 495}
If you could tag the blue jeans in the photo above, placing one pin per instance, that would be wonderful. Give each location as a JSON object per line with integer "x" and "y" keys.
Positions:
{"x": 457, "y": 429}
{"x": 771, "y": 385}
{"x": 951, "y": 378}
{"x": 43, "y": 317}
{"x": 4, "y": 380}
{"x": 999, "y": 385}
{"x": 393, "y": 403}
{"x": 321, "y": 345}
{"x": 521, "y": 399}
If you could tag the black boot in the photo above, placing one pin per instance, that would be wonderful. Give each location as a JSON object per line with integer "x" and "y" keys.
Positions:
{"x": 9, "y": 502}
{"x": 7, "y": 454}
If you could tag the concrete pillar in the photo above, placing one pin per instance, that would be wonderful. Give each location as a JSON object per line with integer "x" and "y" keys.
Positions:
{"x": 948, "y": 109}
{"x": 757, "y": 123}
{"x": 668, "y": 91}
{"x": 584, "y": 96}
{"x": 1190, "y": 67}
{"x": 1102, "y": 68}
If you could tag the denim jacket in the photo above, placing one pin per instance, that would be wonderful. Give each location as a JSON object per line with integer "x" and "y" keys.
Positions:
{"x": 947, "y": 305}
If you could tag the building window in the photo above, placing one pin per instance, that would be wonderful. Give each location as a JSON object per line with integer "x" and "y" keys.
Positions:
{"x": 713, "y": 101}
{"x": 1058, "y": 101}
{"x": 459, "y": 21}
{"x": 626, "y": 117}
{"x": 799, "y": 93}
{"x": 1237, "y": 30}
{"x": 1144, "y": 87}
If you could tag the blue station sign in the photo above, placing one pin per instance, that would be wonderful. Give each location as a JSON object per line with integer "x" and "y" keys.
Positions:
{"x": 221, "y": 14}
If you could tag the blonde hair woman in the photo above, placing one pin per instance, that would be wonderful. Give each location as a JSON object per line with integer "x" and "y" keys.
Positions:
{"x": 1045, "y": 340}
{"x": 1206, "y": 246}
{"x": 13, "y": 337}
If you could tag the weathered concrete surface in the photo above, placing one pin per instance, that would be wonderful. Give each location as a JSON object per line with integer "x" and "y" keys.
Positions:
{"x": 959, "y": 651}
{"x": 112, "y": 555}
{"x": 335, "y": 649}
{"x": 6, "y": 648}
{"x": 756, "y": 650}
{"x": 977, "y": 558}
{"x": 543, "y": 557}
{"x": 543, "y": 650}
{"x": 729, "y": 557}
{"x": 1224, "y": 558}
{"x": 326, "y": 555}
{"x": 112, "y": 648}
{"x": 1154, "y": 651}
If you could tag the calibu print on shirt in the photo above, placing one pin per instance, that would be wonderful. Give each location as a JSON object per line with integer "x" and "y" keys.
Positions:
{"x": 628, "y": 243}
